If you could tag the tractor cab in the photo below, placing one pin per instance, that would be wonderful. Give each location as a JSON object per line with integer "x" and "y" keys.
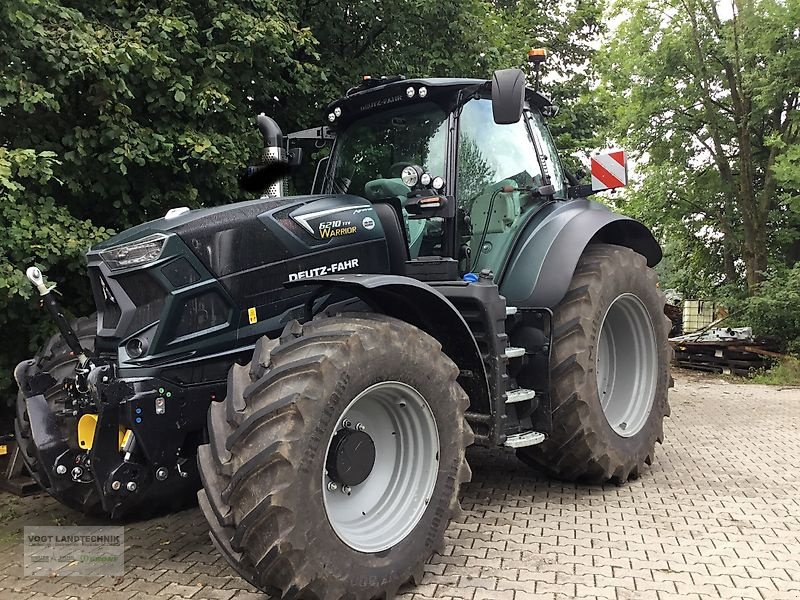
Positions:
{"x": 481, "y": 147}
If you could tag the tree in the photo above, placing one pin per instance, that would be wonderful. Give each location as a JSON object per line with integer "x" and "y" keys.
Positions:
{"x": 470, "y": 38}
{"x": 110, "y": 113}
{"x": 710, "y": 106}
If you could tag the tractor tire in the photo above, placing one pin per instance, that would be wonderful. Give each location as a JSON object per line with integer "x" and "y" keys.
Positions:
{"x": 57, "y": 359}
{"x": 296, "y": 500}
{"x": 609, "y": 374}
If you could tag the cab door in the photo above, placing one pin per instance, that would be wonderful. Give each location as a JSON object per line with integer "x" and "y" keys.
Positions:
{"x": 491, "y": 157}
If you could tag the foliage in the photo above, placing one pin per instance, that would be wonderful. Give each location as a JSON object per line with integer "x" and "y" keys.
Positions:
{"x": 709, "y": 105}
{"x": 775, "y": 310}
{"x": 111, "y": 113}
{"x": 470, "y": 38}
{"x": 785, "y": 372}
{"x": 36, "y": 230}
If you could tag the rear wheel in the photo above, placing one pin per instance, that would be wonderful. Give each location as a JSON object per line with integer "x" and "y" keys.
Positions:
{"x": 610, "y": 371}
{"x": 335, "y": 460}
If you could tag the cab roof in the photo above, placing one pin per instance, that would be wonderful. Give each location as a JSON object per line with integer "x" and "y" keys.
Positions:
{"x": 377, "y": 93}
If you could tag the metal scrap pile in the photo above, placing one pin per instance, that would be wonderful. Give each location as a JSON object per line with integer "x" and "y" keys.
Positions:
{"x": 728, "y": 350}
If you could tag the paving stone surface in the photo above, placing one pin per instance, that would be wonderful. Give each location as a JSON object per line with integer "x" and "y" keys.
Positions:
{"x": 716, "y": 516}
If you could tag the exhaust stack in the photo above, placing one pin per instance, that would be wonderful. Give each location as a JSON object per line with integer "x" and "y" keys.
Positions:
{"x": 274, "y": 152}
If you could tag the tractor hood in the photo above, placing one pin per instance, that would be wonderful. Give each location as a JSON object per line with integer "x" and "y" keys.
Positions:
{"x": 185, "y": 219}
{"x": 219, "y": 273}
{"x": 239, "y": 237}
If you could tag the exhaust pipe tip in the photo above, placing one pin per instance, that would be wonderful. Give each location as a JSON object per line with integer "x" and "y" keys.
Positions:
{"x": 270, "y": 131}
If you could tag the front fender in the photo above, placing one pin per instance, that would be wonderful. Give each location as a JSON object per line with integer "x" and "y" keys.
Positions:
{"x": 544, "y": 256}
{"x": 420, "y": 305}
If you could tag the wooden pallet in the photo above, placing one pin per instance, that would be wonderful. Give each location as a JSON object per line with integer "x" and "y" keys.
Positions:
{"x": 738, "y": 357}
{"x": 14, "y": 476}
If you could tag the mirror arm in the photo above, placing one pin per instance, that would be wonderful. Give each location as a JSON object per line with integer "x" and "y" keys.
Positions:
{"x": 580, "y": 191}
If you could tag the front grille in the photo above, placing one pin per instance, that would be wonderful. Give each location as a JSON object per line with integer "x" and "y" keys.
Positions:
{"x": 180, "y": 273}
{"x": 148, "y": 297}
{"x": 202, "y": 312}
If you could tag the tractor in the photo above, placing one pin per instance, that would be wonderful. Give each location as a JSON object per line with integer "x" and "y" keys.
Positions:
{"x": 316, "y": 365}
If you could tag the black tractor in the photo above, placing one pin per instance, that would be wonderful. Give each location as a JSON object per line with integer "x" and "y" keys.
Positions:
{"x": 317, "y": 365}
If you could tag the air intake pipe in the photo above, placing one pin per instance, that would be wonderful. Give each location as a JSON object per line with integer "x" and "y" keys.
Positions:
{"x": 274, "y": 152}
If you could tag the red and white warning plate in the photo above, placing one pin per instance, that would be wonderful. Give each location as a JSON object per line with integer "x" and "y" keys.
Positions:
{"x": 609, "y": 170}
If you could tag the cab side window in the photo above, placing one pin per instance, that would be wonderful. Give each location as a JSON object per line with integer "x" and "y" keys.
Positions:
{"x": 545, "y": 142}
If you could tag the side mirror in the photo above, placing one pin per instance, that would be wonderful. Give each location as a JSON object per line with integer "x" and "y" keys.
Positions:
{"x": 609, "y": 170}
{"x": 508, "y": 96}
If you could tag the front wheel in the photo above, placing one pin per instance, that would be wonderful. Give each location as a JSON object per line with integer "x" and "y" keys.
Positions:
{"x": 57, "y": 360}
{"x": 609, "y": 371}
{"x": 335, "y": 460}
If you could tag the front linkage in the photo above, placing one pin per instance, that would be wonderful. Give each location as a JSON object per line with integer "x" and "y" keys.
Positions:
{"x": 133, "y": 439}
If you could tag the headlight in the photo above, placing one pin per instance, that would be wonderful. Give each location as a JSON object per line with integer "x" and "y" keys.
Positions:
{"x": 136, "y": 253}
{"x": 409, "y": 176}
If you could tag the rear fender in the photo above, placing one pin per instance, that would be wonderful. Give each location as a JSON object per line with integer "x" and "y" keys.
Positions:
{"x": 543, "y": 258}
{"x": 420, "y": 305}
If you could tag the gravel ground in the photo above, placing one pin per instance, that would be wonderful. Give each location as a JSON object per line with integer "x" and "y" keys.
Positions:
{"x": 716, "y": 516}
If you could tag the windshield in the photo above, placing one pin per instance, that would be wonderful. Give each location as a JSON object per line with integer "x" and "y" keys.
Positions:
{"x": 376, "y": 148}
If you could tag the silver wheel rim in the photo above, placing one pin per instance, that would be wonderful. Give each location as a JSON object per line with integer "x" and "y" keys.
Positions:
{"x": 383, "y": 510}
{"x": 626, "y": 365}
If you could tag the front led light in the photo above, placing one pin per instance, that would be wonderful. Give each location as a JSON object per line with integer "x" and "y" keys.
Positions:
{"x": 134, "y": 254}
{"x": 136, "y": 347}
{"x": 425, "y": 179}
{"x": 423, "y": 91}
{"x": 331, "y": 117}
{"x": 438, "y": 183}
{"x": 410, "y": 91}
{"x": 337, "y": 111}
{"x": 409, "y": 176}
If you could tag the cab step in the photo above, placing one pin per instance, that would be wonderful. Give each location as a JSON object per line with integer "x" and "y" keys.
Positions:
{"x": 519, "y": 395}
{"x": 526, "y": 438}
{"x": 512, "y": 352}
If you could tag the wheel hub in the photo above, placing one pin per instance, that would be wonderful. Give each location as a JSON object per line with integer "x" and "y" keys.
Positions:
{"x": 351, "y": 457}
{"x": 626, "y": 365}
{"x": 381, "y": 467}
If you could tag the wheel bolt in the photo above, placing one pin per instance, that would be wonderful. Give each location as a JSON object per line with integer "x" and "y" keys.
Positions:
{"x": 77, "y": 472}
{"x": 360, "y": 427}
{"x": 162, "y": 473}
{"x": 131, "y": 486}
{"x": 347, "y": 423}
{"x": 115, "y": 485}
{"x": 332, "y": 487}
{"x": 61, "y": 469}
{"x": 346, "y": 489}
